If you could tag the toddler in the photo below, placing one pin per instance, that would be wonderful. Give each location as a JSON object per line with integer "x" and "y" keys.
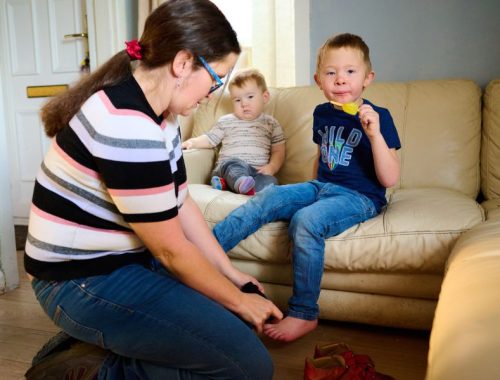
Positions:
{"x": 252, "y": 143}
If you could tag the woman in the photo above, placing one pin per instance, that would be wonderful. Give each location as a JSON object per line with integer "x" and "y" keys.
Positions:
{"x": 120, "y": 255}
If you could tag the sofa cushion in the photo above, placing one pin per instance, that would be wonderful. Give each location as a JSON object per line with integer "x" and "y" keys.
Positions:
{"x": 414, "y": 234}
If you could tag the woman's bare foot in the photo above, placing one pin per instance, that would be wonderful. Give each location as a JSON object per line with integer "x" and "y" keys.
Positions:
{"x": 289, "y": 329}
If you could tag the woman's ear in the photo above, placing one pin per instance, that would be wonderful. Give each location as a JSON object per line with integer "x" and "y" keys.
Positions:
{"x": 183, "y": 61}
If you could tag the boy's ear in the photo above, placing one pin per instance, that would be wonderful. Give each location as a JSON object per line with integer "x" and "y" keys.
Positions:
{"x": 316, "y": 79}
{"x": 266, "y": 96}
{"x": 183, "y": 60}
{"x": 369, "y": 79}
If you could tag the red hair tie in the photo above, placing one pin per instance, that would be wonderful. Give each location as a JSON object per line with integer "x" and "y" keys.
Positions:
{"x": 134, "y": 50}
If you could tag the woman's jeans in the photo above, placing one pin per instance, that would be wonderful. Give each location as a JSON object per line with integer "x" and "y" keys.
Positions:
{"x": 316, "y": 211}
{"x": 234, "y": 168}
{"x": 156, "y": 327}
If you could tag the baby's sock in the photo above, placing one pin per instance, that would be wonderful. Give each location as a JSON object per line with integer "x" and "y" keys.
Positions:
{"x": 251, "y": 192}
{"x": 218, "y": 183}
{"x": 244, "y": 184}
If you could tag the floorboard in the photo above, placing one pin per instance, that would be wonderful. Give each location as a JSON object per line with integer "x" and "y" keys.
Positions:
{"x": 24, "y": 328}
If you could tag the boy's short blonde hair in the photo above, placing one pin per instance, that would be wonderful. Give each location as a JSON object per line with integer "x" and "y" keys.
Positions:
{"x": 345, "y": 40}
{"x": 243, "y": 76}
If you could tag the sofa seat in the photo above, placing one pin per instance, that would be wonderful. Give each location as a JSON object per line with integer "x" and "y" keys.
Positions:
{"x": 402, "y": 252}
{"x": 372, "y": 246}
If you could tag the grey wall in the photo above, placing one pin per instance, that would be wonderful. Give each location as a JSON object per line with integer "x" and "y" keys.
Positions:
{"x": 417, "y": 39}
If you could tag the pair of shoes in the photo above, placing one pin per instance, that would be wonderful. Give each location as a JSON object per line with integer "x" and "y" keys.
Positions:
{"x": 64, "y": 357}
{"x": 218, "y": 183}
{"x": 343, "y": 365}
{"x": 245, "y": 185}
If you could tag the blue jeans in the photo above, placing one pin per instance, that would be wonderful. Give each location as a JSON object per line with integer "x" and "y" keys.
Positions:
{"x": 316, "y": 211}
{"x": 155, "y": 327}
{"x": 234, "y": 168}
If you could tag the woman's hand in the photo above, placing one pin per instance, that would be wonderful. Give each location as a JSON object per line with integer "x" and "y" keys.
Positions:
{"x": 257, "y": 310}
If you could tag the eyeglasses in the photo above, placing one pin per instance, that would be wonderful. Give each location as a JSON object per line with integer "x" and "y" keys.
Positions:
{"x": 218, "y": 81}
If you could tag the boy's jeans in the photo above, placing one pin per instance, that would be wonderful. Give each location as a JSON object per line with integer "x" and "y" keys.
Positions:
{"x": 156, "y": 327}
{"x": 316, "y": 211}
{"x": 234, "y": 168}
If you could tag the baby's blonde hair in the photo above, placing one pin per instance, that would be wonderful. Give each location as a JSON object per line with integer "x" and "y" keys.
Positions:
{"x": 245, "y": 75}
{"x": 345, "y": 40}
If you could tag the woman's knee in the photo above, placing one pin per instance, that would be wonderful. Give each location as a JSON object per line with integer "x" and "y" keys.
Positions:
{"x": 260, "y": 366}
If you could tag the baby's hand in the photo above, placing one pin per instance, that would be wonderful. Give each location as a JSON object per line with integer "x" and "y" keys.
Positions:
{"x": 369, "y": 120}
{"x": 266, "y": 169}
{"x": 188, "y": 144}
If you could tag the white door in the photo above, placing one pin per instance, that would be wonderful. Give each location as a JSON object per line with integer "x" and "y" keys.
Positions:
{"x": 37, "y": 57}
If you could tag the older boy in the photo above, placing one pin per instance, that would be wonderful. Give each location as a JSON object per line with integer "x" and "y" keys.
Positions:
{"x": 253, "y": 144}
{"x": 357, "y": 161}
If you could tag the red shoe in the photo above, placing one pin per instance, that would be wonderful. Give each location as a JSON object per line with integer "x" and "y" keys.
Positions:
{"x": 325, "y": 368}
{"x": 358, "y": 367}
{"x": 361, "y": 367}
{"x": 330, "y": 349}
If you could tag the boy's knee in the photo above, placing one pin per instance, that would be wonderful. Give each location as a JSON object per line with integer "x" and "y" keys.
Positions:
{"x": 303, "y": 221}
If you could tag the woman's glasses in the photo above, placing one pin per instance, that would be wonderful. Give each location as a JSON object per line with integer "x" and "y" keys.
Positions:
{"x": 218, "y": 81}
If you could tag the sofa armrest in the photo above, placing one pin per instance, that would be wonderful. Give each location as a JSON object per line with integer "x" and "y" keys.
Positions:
{"x": 199, "y": 164}
{"x": 465, "y": 335}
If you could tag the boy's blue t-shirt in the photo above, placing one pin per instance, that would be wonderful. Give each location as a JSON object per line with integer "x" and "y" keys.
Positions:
{"x": 346, "y": 157}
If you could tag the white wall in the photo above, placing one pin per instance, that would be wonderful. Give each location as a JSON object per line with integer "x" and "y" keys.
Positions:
{"x": 413, "y": 40}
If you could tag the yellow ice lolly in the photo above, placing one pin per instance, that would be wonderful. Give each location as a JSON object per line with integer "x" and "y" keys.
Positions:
{"x": 350, "y": 108}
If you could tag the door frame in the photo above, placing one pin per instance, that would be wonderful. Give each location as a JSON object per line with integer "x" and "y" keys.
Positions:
{"x": 9, "y": 275}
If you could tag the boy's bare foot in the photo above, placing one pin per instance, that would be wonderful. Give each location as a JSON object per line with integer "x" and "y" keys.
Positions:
{"x": 289, "y": 329}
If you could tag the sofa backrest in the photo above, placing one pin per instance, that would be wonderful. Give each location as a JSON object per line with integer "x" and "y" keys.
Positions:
{"x": 490, "y": 146}
{"x": 438, "y": 121}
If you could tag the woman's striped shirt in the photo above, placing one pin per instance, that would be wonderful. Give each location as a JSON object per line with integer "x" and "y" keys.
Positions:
{"x": 115, "y": 163}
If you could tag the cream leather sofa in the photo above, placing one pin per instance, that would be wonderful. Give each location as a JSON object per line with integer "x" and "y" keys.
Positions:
{"x": 389, "y": 270}
{"x": 465, "y": 335}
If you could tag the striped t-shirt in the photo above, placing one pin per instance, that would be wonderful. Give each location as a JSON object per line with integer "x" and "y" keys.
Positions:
{"x": 248, "y": 140}
{"x": 115, "y": 163}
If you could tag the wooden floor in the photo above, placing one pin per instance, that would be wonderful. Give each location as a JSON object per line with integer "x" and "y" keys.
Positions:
{"x": 24, "y": 328}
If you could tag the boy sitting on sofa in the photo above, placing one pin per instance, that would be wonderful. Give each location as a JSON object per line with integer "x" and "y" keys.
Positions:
{"x": 253, "y": 144}
{"x": 357, "y": 161}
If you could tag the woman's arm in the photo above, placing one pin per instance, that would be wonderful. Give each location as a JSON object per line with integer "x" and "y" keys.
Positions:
{"x": 168, "y": 243}
{"x": 196, "y": 230}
